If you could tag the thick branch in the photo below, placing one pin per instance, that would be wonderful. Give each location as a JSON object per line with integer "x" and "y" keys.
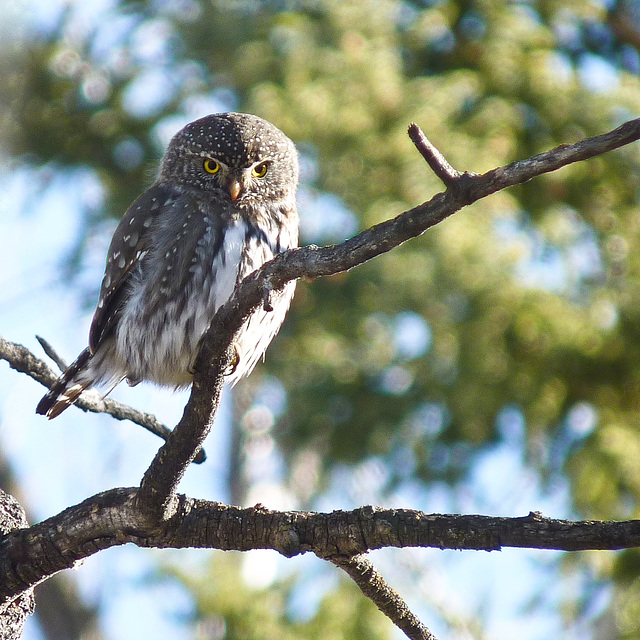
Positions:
{"x": 313, "y": 262}
{"x": 157, "y": 495}
{"x": 28, "y": 556}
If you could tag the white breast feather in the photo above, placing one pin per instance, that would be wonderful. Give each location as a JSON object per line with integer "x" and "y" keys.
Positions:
{"x": 226, "y": 269}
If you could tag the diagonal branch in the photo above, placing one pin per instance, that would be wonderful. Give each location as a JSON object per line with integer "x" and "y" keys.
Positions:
{"x": 374, "y": 586}
{"x": 432, "y": 156}
{"x": 52, "y": 353}
{"x": 161, "y": 479}
{"x": 157, "y": 494}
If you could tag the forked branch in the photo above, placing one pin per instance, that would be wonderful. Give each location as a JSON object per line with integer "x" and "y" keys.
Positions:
{"x": 313, "y": 262}
{"x": 155, "y": 515}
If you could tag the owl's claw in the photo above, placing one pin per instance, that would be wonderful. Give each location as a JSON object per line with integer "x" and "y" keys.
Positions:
{"x": 233, "y": 365}
{"x": 230, "y": 370}
{"x": 266, "y": 296}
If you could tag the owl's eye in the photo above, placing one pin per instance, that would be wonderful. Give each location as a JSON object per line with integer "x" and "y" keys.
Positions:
{"x": 211, "y": 166}
{"x": 260, "y": 170}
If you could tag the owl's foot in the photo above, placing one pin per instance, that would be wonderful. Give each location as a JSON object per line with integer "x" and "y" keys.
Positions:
{"x": 266, "y": 296}
{"x": 230, "y": 370}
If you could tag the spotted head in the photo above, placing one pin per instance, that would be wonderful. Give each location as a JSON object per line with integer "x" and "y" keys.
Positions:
{"x": 236, "y": 156}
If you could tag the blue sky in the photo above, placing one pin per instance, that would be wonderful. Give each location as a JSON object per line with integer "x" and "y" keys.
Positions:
{"x": 64, "y": 461}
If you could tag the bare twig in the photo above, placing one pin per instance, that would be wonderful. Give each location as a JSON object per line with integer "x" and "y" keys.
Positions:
{"x": 52, "y": 353}
{"x": 374, "y": 586}
{"x": 434, "y": 158}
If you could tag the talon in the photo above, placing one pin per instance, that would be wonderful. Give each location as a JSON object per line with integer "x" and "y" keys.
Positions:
{"x": 233, "y": 365}
{"x": 267, "y": 290}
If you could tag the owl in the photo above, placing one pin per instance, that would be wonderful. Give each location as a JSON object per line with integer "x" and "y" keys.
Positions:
{"x": 224, "y": 204}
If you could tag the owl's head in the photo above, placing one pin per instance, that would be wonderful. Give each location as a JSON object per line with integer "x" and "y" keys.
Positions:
{"x": 234, "y": 156}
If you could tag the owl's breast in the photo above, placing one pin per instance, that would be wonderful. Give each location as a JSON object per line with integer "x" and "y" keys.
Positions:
{"x": 222, "y": 262}
{"x": 181, "y": 284}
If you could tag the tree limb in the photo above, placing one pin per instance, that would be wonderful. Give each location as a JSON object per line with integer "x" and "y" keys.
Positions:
{"x": 375, "y": 587}
{"x": 155, "y": 515}
{"x": 112, "y": 518}
{"x": 312, "y": 262}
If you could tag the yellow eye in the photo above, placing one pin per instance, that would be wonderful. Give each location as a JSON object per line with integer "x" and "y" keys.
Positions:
{"x": 211, "y": 166}
{"x": 260, "y": 170}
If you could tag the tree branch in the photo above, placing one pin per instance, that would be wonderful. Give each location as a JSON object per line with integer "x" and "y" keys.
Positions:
{"x": 433, "y": 157}
{"x": 155, "y": 515}
{"x": 22, "y": 360}
{"x": 312, "y": 262}
{"x": 374, "y": 586}
{"x": 157, "y": 495}
{"x": 52, "y": 353}
{"x": 28, "y": 556}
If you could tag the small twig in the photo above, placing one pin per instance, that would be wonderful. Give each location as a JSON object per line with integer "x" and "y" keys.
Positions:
{"x": 434, "y": 158}
{"x": 361, "y": 570}
{"x": 52, "y": 353}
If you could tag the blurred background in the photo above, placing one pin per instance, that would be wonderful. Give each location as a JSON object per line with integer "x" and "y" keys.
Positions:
{"x": 491, "y": 366}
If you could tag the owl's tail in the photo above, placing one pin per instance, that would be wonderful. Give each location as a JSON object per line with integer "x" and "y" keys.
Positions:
{"x": 67, "y": 388}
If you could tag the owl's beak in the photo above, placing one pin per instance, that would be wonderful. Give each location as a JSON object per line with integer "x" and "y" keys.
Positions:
{"x": 234, "y": 189}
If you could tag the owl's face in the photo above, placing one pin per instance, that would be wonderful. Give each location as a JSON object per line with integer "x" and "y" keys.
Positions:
{"x": 234, "y": 157}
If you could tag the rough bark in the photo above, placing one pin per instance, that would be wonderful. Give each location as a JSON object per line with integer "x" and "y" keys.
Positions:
{"x": 154, "y": 515}
{"x": 14, "y": 611}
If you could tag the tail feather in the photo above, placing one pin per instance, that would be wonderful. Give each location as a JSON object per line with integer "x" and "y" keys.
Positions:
{"x": 67, "y": 388}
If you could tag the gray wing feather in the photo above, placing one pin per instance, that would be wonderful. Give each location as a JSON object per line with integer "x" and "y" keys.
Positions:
{"x": 128, "y": 247}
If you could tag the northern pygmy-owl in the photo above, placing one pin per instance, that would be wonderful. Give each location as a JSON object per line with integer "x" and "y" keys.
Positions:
{"x": 224, "y": 203}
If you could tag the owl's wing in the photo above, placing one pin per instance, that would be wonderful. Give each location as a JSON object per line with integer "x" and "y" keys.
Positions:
{"x": 128, "y": 246}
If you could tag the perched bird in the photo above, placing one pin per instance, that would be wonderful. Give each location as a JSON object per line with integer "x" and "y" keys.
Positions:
{"x": 224, "y": 203}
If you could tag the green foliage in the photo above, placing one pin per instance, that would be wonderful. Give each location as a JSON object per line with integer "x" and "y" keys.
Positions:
{"x": 228, "y": 608}
{"x": 490, "y": 83}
